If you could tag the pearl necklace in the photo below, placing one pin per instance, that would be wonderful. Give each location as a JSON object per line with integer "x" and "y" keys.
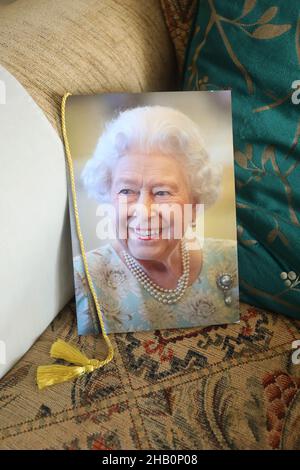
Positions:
{"x": 166, "y": 296}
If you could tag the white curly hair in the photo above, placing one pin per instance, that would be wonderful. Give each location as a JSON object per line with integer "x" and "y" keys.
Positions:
{"x": 153, "y": 129}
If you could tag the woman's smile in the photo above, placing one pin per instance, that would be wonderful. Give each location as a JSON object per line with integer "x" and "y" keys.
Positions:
{"x": 146, "y": 234}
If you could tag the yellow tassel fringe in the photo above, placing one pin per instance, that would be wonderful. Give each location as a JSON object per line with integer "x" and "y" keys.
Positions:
{"x": 53, "y": 374}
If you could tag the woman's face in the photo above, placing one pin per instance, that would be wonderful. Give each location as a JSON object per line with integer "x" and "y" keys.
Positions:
{"x": 149, "y": 193}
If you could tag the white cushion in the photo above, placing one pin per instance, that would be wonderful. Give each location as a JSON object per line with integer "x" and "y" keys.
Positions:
{"x": 36, "y": 278}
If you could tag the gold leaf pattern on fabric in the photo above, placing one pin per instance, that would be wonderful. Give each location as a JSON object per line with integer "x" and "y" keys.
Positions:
{"x": 268, "y": 15}
{"x": 269, "y": 31}
{"x": 248, "y": 6}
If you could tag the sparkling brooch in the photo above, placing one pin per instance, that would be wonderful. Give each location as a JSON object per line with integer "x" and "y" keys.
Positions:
{"x": 225, "y": 282}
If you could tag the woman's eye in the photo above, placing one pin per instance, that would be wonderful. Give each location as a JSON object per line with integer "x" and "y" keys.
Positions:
{"x": 162, "y": 193}
{"x": 126, "y": 191}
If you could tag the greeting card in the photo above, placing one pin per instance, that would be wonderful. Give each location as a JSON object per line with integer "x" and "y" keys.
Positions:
{"x": 152, "y": 210}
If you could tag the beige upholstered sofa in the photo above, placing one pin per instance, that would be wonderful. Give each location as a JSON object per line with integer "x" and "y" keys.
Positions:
{"x": 227, "y": 387}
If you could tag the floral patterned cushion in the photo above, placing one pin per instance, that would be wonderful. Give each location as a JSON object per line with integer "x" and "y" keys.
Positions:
{"x": 254, "y": 50}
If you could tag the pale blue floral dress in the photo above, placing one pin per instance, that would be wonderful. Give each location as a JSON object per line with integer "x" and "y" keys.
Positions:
{"x": 127, "y": 306}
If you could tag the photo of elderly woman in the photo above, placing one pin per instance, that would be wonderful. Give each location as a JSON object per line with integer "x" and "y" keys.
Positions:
{"x": 145, "y": 183}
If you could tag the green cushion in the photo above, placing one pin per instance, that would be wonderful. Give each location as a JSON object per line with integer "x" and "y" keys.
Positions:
{"x": 253, "y": 49}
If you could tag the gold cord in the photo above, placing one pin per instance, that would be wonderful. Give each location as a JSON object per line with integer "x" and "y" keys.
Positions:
{"x": 52, "y": 374}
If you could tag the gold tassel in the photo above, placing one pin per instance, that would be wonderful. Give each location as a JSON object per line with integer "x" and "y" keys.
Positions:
{"x": 53, "y": 374}
{"x": 62, "y": 350}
